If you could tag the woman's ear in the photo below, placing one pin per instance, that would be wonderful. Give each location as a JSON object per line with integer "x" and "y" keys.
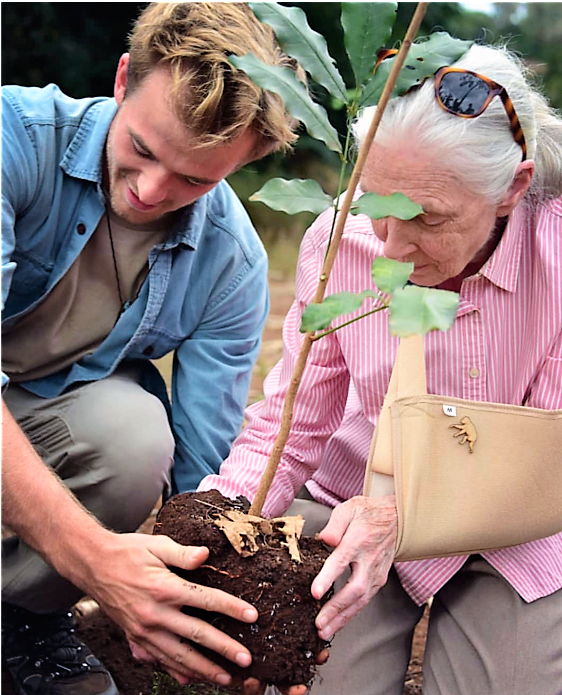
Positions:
{"x": 518, "y": 188}
{"x": 121, "y": 79}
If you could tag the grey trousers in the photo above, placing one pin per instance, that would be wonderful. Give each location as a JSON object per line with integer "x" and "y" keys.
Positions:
{"x": 483, "y": 639}
{"x": 111, "y": 444}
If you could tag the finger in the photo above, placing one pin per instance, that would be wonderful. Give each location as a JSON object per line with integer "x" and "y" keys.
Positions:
{"x": 295, "y": 690}
{"x": 203, "y": 633}
{"x": 172, "y": 554}
{"x": 349, "y": 601}
{"x": 183, "y": 659}
{"x": 138, "y": 652}
{"x": 216, "y": 601}
{"x": 334, "y": 565}
{"x": 252, "y": 686}
{"x": 322, "y": 657}
{"x": 336, "y": 622}
{"x": 179, "y": 677}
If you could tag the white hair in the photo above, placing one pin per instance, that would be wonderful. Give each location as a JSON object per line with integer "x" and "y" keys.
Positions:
{"x": 482, "y": 150}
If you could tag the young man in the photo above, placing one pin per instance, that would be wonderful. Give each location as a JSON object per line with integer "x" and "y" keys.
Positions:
{"x": 122, "y": 243}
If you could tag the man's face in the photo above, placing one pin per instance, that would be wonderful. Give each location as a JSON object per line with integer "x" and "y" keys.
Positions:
{"x": 455, "y": 231}
{"x": 152, "y": 164}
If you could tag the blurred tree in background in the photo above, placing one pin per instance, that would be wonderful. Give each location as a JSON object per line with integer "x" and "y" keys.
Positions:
{"x": 77, "y": 46}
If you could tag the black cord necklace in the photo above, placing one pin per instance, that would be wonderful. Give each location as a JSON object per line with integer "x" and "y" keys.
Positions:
{"x": 126, "y": 303}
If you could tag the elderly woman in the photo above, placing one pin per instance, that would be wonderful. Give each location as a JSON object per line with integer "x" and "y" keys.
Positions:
{"x": 488, "y": 173}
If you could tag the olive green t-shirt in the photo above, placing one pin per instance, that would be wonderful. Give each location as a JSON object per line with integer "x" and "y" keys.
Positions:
{"x": 82, "y": 308}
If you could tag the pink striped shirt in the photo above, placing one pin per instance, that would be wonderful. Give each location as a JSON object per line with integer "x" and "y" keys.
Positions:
{"x": 505, "y": 347}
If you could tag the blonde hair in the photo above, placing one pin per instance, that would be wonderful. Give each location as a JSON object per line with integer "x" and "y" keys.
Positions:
{"x": 213, "y": 99}
{"x": 482, "y": 150}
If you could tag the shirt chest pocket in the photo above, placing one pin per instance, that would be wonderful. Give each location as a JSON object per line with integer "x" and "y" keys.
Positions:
{"x": 29, "y": 283}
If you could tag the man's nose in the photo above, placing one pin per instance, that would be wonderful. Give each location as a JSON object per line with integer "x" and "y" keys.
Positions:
{"x": 396, "y": 238}
{"x": 152, "y": 186}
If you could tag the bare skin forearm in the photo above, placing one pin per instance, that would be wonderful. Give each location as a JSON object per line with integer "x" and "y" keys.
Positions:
{"x": 41, "y": 510}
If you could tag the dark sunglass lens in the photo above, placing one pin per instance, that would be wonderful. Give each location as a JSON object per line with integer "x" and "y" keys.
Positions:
{"x": 463, "y": 93}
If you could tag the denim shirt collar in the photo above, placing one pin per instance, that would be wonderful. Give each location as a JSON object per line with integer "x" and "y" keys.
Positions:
{"x": 83, "y": 159}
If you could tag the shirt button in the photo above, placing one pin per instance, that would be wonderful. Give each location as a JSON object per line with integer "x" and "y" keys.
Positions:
{"x": 474, "y": 373}
{"x": 81, "y": 228}
{"x": 148, "y": 351}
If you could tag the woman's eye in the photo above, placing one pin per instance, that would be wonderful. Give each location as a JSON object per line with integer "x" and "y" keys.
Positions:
{"x": 432, "y": 220}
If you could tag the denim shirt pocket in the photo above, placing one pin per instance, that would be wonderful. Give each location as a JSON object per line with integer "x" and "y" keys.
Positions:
{"x": 29, "y": 282}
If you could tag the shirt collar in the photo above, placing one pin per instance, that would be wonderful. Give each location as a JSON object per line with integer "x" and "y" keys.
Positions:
{"x": 502, "y": 268}
{"x": 83, "y": 158}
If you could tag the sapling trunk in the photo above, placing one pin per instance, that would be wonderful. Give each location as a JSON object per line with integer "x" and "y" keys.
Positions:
{"x": 296, "y": 377}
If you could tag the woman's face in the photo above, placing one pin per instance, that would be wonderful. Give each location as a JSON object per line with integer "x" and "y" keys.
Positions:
{"x": 456, "y": 229}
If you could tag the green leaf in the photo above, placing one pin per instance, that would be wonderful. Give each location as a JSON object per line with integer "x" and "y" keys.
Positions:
{"x": 297, "y": 195}
{"x": 417, "y": 310}
{"x": 298, "y": 102}
{"x": 378, "y": 206}
{"x": 389, "y": 275}
{"x": 423, "y": 60}
{"x": 367, "y": 26}
{"x": 318, "y": 316}
{"x": 298, "y": 40}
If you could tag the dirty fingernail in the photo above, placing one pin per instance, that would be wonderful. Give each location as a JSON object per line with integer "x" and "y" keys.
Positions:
{"x": 250, "y": 614}
{"x": 243, "y": 659}
{"x": 223, "y": 679}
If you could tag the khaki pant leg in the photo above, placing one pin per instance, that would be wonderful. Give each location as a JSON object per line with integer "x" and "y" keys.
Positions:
{"x": 111, "y": 444}
{"x": 483, "y": 639}
{"x": 370, "y": 655}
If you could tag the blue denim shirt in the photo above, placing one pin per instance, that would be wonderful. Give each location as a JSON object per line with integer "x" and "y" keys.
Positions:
{"x": 205, "y": 298}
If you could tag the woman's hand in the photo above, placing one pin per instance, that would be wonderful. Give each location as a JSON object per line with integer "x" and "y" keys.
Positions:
{"x": 363, "y": 531}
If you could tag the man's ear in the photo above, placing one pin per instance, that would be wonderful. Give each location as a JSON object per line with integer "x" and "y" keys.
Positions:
{"x": 121, "y": 79}
{"x": 518, "y": 188}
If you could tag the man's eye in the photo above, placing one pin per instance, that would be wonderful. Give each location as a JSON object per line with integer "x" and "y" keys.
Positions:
{"x": 140, "y": 151}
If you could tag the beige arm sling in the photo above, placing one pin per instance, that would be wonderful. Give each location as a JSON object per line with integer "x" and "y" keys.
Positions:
{"x": 469, "y": 476}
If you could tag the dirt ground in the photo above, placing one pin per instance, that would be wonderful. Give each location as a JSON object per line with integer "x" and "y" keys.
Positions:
{"x": 108, "y": 642}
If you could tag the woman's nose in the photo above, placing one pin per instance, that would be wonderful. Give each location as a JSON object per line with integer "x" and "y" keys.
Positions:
{"x": 396, "y": 238}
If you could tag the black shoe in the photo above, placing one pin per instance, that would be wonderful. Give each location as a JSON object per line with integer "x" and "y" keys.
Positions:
{"x": 44, "y": 657}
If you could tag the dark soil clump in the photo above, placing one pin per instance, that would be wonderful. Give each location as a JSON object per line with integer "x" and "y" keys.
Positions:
{"x": 283, "y": 641}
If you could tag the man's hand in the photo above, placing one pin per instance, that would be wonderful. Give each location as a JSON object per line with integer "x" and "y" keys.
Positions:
{"x": 134, "y": 586}
{"x": 126, "y": 573}
{"x": 364, "y": 530}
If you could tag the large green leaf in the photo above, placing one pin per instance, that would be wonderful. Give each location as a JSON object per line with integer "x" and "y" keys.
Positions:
{"x": 389, "y": 275}
{"x": 298, "y": 40}
{"x": 298, "y": 102}
{"x": 296, "y": 195}
{"x": 378, "y": 206}
{"x": 318, "y": 316}
{"x": 423, "y": 60}
{"x": 417, "y": 310}
{"x": 367, "y": 26}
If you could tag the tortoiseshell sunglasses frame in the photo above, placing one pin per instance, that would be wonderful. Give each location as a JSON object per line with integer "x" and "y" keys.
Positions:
{"x": 494, "y": 90}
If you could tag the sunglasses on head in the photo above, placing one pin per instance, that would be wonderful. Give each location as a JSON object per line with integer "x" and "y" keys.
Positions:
{"x": 467, "y": 94}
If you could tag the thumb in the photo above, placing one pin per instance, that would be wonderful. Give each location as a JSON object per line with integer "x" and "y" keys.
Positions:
{"x": 186, "y": 557}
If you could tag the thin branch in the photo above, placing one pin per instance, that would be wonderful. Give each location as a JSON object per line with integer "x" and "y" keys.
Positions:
{"x": 347, "y": 323}
{"x": 296, "y": 377}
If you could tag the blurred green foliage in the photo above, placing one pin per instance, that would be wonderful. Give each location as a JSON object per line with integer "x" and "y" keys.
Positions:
{"x": 77, "y": 46}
